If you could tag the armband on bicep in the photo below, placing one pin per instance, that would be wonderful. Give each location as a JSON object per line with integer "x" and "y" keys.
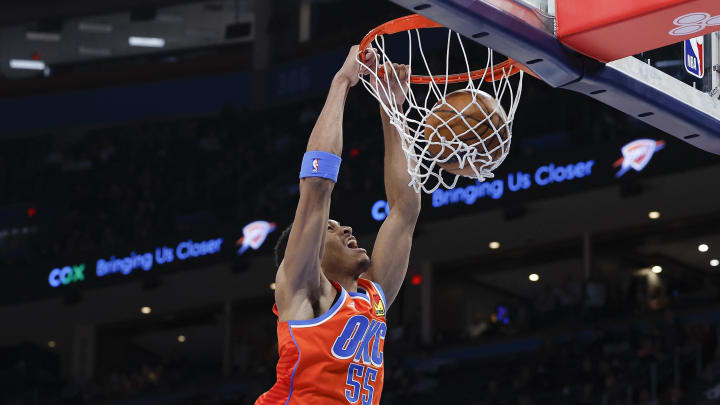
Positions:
{"x": 317, "y": 163}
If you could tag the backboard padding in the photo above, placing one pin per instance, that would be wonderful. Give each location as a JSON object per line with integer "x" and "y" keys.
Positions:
{"x": 715, "y": 68}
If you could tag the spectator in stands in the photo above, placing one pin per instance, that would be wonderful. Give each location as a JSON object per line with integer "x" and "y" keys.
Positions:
{"x": 674, "y": 396}
{"x": 644, "y": 398}
{"x": 613, "y": 394}
{"x": 478, "y": 326}
{"x": 657, "y": 299}
{"x": 587, "y": 373}
{"x": 702, "y": 334}
{"x": 587, "y": 395}
{"x": 671, "y": 332}
{"x": 491, "y": 393}
{"x": 545, "y": 303}
{"x": 711, "y": 373}
{"x": 595, "y": 297}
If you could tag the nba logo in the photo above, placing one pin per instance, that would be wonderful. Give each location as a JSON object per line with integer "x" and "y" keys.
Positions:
{"x": 694, "y": 56}
{"x": 316, "y": 165}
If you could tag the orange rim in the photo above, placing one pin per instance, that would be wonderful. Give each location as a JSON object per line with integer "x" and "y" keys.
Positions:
{"x": 416, "y": 21}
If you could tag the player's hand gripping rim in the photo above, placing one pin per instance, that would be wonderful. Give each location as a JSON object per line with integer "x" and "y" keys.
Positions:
{"x": 393, "y": 83}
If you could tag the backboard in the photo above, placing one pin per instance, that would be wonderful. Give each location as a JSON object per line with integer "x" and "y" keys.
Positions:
{"x": 628, "y": 55}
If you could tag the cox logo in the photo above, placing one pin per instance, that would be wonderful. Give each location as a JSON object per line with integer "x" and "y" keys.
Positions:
{"x": 694, "y": 22}
{"x": 66, "y": 275}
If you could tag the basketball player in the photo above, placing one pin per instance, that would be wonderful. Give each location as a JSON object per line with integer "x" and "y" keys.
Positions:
{"x": 331, "y": 299}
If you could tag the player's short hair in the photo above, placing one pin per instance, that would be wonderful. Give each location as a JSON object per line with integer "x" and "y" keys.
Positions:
{"x": 281, "y": 245}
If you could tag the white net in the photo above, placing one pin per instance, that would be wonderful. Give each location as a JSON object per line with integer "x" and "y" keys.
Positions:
{"x": 447, "y": 133}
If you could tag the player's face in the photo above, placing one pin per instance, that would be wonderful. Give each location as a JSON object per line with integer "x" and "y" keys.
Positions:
{"x": 342, "y": 252}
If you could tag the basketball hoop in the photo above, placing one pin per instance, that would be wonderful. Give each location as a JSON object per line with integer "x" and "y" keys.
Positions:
{"x": 421, "y": 141}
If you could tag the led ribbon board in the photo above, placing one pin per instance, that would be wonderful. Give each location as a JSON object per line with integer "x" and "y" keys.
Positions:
{"x": 519, "y": 180}
{"x": 636, "y": 156}
{"x": 125, "y": 265}
{"x": 254, "y": 235}
{"x": 163, "y": 255}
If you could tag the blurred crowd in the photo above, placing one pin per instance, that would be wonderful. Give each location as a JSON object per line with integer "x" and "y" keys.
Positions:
{"x": 99, "y": 190}
{"x": 654, "y": 359}
{"x": 77, "y": 192}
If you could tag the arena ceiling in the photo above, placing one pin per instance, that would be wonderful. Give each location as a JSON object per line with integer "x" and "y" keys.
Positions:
{"x": 49, "y": 34}
{"x": 25, "y": 11}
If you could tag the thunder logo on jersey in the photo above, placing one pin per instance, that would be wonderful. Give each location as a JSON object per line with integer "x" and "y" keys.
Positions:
{"x": 360, "y": 340}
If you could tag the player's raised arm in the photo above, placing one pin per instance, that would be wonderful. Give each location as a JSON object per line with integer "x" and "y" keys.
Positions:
{"x": 300, "y": 281}
{"x": 391, "y": 253}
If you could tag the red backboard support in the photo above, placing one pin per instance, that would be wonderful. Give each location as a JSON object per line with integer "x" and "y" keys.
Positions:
{"x": 609, "y": 30}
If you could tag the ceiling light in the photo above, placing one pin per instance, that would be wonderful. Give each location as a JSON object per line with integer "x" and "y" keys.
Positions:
{"x": 656, "y": 269}
{"x": 147, "y": 42}
{"x": 703, "y": 247}
{"x": 170, "y": 19}
{"x": 147, "y": 13}
{"x": 199, "y": 33}
{"x": 27, "y": 64}
{"x": 653, "y": 214}
{"x": 42, "y": 36}
{"x": 494, "y": 245}
{"x": 714, "y": 262}
{"x": 95, "y": 27}
{"x": 534, "y": 277}
{"x": 87, "y": 51}
{"x": 181, "y": 339}
{"x": 145, "y": 310}
{"x": 239, "y": 30}
{"x": 52, "y": 344}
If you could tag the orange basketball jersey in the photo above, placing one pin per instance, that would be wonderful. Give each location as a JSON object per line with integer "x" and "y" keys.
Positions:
{"x": 336, "y": 358}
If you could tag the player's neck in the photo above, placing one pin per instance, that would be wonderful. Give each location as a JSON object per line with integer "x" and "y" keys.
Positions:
{"x": 349, "y": 283}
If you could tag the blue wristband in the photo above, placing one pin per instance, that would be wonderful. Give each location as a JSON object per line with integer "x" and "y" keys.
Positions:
{"x": 317, "y": 163}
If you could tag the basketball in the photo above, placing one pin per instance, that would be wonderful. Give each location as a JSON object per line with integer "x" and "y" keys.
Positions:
{"x": 472, "y": 117}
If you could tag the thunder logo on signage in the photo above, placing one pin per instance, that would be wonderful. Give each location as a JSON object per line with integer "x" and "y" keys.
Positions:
{"x": 254, "y": 234}
{"x": 637, "y": 155}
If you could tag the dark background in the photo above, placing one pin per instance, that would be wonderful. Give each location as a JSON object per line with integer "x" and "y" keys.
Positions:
{"x": 114, "y": 150}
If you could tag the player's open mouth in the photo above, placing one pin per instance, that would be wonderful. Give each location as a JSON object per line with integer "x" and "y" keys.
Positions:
{"x": 352, "y": 244}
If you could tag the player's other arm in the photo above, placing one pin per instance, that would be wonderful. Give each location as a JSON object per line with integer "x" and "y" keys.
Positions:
{"x": 299, "y": 280}
{"x": 391, "y": 252}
